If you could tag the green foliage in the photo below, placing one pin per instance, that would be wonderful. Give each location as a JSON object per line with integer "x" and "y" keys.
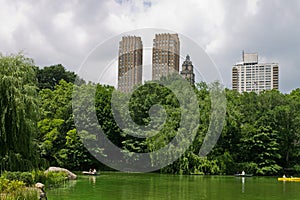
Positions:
{"x": 140, "y": 103}
{"x": 18, "y": 113}
{"x": 55, "y": 178}
{"x": 3, "y": 184}
{"x": 226, "y": 163}
{"x": 260, "y": 146}
{"x": 255, "y": 138}
{"x": 38, "y": 176}
{"x": 261, "y": 134}
{"x": 103, "y": 108}
{"x": 296, "y": 168}
{"x": 59, "y": 142}
{"x": 249, "y": 167}
{"x": 49, "y": 77}
{"x": 12, "y": 189}
{"x": 25, "y": 177}
{"x": 30, "y": 178}
{"x": 16, "y": 190}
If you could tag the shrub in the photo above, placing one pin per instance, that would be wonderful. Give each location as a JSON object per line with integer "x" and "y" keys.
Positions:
{"x": 15, "y": 186}
{"x": 248, "y": 167}
{"x": 26, "y": 195}
{"x": 25, "y": 177}
{"x": 16, "y": 190}
{"x": 55, "y": 178}
{"x": 38, "y": 176}
{"x": 3, "y": 184}
{"x": 12, "y": 175}
{"x": 296, "y": 168}
{"x": 7, "y": 186}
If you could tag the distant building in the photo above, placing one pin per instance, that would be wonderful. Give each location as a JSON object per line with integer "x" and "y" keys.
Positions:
{"x": 249, "y": 75}
{"x": 130, "y": 62}
{"x": 165, "y": 55}
{"x": 188, "y": 70}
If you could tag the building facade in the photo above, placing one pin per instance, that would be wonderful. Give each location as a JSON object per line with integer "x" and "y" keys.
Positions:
{"x": 187, "y": 70}
{"x": 130, "y": 61}
{"x": 249, "y": 75}
{"x": 165, "y": 55}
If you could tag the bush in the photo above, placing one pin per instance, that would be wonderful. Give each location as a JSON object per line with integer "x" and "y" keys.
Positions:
{"x": 25, "y": 177}
{"x": 11, "y": 187}
{"x": 16, "y": 189}
{"x": 3, "y": 184}
{"x": 56, "y": 178}
{"x": 269, "y": 170}
{"x": 248, "y": 167}
{"x": 12, "y": 175}
{"x": 38, "y": 176}
{"x": 296, "y": 168}
{"x": 25, "y": 195}
{"x": 14, "y": 186}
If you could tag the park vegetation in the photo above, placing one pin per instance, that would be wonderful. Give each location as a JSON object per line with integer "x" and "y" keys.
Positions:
{"x": 20, "y": 185}
{"x": 261, "y": 133}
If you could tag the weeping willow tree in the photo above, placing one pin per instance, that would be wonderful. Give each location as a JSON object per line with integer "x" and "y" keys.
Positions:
{"x": 18, "y": 113}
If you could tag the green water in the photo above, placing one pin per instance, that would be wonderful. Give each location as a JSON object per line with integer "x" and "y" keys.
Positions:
{"x": 114, "y": 186}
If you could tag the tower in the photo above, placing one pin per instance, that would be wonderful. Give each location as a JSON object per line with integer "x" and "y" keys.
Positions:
{"x": 187, "y": 71}
{"x": 165, "y": 55}
{"x": 130, "y": 62}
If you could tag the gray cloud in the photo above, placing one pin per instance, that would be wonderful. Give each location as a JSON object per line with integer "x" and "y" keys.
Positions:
{"x": 273, "y": 31}
{"x": 65, "y": 31}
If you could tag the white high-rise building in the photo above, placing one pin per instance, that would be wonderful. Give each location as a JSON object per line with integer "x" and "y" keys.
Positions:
{"x": 249, "y": 75}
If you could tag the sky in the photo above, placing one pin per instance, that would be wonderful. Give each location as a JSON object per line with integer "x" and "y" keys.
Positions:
{"x": 66, "y": 32}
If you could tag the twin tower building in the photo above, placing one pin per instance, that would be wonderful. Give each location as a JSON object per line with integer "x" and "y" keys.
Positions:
{"x": 165, "y": 60}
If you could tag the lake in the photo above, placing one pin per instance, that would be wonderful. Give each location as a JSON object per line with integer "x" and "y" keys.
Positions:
{"x": 137, "y": 186}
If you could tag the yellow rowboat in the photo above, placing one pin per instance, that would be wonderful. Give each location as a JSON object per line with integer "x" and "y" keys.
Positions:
{"x": 289, "y": 179}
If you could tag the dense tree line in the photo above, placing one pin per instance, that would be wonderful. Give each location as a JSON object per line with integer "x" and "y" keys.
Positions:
{"x": 261, "y": 132}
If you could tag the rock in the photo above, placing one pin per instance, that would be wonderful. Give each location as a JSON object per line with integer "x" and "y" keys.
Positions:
{"x": 71, "y": 175}
{"x": 39, "y": 185}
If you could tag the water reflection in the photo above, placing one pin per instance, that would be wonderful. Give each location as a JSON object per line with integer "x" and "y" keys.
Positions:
{"x": 243, "y": 184}
{"x": 92, "y": 179}
{"x": 136, "y": 186}
{"x": 283, "y": 186}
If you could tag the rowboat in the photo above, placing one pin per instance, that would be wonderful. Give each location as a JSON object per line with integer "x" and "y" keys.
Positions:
{"x": 90, "y": 173}
{"x": 244, "y": 175}
{"x": 289, "y": 179}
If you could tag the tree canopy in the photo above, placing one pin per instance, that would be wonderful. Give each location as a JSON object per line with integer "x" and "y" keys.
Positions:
{"x": 18, "y": 113}
{"x": 261, "y": 134}
{"x": 50, "y": 76}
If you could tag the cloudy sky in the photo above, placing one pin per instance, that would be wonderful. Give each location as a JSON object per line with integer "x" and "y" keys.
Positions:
{"x": 53, "y": 32}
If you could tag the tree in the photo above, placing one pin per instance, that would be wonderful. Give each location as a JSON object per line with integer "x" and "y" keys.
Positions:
{"x": 259, "y": 145}
{"x": 286, "y": 120}
{"x": 18, "y": 113}
{"x": 58, "y": 139}
{"x": 50, "y": 76}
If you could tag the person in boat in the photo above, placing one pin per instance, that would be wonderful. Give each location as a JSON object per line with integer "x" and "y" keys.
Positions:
{"x": 283, "y": 176}
{"x": 243, "y": 173}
